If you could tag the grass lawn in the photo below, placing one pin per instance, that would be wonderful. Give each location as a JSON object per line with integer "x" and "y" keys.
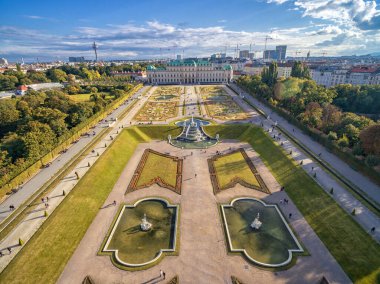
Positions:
{"x": 355, "y": 250}
{"x": 158, "y": 166}
{"x": 86, "y": 97}
{"x": 233, "y": 166}
{"x": 44, "y": 257}
{"x": 135, "y": 246}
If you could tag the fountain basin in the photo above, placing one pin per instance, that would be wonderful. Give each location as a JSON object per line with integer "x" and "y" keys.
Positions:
{"x": 130, "y": 246}
{"x": 193, "y": 136}
{"x": 272, "y": 244}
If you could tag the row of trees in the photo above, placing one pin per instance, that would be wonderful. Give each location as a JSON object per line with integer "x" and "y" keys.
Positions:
{"x": 32, "y": 125}
{"x": 314, "y": 106}
{"x": 11, "y": 79}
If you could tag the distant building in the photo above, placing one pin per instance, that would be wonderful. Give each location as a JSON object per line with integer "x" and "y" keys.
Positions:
{"x": 362, "y": 75}
{"x": 77, "y": 59}
{"x": 270, "y": 55}
{"x": 189, "y": 72}
{"x": 179, "y": 57}
{"x": 3, "y": 62}
{"x": 218, "y": 55}
{"x": 281, "y": 52}
{"x": 21, "y": 90}
{"x": 244, "y": 54}
{"x": 251, "y": 55}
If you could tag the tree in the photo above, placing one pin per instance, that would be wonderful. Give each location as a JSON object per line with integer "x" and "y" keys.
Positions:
{"x": 312, "y": 115}
{"x": 8, "y": 113}
{"x": 57, "y": 75}
{"x": 37, "y": 77}
{"x": 299, "y": 70}
{"x": 8, "y": 82}
{"x": 352, "y": 133}
{"x": 54, "y": 117}
{"x": 331, "y": 117}
{"x": 269, "y": 75}
{"x": 38, "y": 139}
{"x": 370, "y": 139}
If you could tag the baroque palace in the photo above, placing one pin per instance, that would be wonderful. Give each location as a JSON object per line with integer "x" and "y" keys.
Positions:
{"x": 189, "y": 72}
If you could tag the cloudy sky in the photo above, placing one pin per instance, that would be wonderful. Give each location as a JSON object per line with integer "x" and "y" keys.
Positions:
{"x": 127, "y": 29}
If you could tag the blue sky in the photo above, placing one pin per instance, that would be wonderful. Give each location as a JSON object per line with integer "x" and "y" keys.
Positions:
{"x": 154, "y": 28}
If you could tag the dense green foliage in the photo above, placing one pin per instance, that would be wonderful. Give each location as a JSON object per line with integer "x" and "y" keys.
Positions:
{"x": 313, "y": 106}
{"x": 300, "y": 70}
{"x": 359, "y": 99}
{"x": 11, "y": 79}
{"x": 34, "y": 124}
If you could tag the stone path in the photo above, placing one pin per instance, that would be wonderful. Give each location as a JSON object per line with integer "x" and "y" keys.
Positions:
{"x": 203, "y": 257}
{"x": 25, "y": 229}
{"x": 366, "y": 218}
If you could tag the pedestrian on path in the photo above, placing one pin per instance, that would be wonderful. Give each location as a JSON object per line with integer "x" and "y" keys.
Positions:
{"x": 195, "y": 175}
{"x": 290, "y": 215}
{"x": 43, "y": 200}
{"x": 10, "y": 250}
{"x": 161, "y": 273}
{"x": 47, "y": 198}
{"x": 373, "y": 230}
{"x": 1, "y": 253}
{"x": 114, "y": 203}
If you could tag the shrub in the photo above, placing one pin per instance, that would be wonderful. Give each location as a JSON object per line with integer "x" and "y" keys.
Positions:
{"x": 343, "y": 141}
{"x": 372, "y": 160}
{"x": 332, "y": 136}
{"x": 20, "y": 242}
{"x": 357, "y": 150}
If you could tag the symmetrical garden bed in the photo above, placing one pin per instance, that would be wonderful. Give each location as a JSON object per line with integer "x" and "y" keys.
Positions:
{"x": 157, "y": 168}
{"x": 220, "y": 105}
{"x": 272, "y": 245}
{"x": 131, "y": 247}
{"x": 235, "y": 167}
{"x": 157, "y": 111}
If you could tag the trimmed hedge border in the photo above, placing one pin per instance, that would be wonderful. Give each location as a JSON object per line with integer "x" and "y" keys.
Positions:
{"x": 140, "y": 167}
{"x": 214, "y": 176}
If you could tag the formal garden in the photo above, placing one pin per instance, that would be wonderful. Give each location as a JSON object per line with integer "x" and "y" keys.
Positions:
{"x": 166, "y": 93}
{"x": 232, "y": 168}
{"x": 259, "y": 232}
{"x": 220, "y": 105}
{"x": 157, "y": 111}
{"x": 142, "y": 234}
{"x": 157, "y": 168}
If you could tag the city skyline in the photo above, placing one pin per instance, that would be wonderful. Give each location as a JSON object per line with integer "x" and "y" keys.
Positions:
{"x": 157, "y": 29}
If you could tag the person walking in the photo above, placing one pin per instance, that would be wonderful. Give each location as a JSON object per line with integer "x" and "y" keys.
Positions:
{"x": 161, "y": 273}
{"x": 373, "y": 230}
{"x": 164, "y": 274}
{"x": 290, "y": 215}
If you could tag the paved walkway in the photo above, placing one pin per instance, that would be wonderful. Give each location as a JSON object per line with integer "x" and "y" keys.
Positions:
{"x": 203, "y": 256}
{"x": 36, "y": 216}
{"x": 44, "y": 175}
{"x": 341, "y": 195}
{"x": 364, "y": 183}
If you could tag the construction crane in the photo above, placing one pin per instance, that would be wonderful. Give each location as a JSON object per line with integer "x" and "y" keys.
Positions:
{"x": 297, "y": 52}
{"x": 265, "y": 47}
{"x": 95, "y": 48}
{"x": 323, "y": 53}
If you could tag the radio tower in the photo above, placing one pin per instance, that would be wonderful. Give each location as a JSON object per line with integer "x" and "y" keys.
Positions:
{"x": 95, "y": 48}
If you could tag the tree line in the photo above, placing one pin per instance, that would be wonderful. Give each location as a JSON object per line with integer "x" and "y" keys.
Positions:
{"x": 34, "y": 124}
{"x": 326, "y": 111}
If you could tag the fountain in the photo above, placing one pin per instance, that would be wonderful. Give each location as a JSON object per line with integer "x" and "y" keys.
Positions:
{"x": 193, "y": 135}
{"x": 145, "y": 225}
{"x": 256, "y": 224}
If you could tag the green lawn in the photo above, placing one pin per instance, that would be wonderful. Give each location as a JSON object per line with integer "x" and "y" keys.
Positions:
{"x": 233, "y": 166}
{"x": 352, "y": 247}
{"x": 44, "y": 257}
{"x": 158, "y": 166}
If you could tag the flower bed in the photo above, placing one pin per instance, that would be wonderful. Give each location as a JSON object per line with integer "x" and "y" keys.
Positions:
{"x": 252, "y": 178}
{"x": 166, "y": 171}
{"x": 157, "y": 111}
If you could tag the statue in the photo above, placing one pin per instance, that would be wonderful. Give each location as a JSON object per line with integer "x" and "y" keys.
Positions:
{"x": 145, "y": 225}
{"x": 256, "y": 224}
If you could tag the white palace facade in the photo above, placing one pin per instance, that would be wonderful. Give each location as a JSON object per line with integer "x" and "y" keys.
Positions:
{"x": 189, "y": 72}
